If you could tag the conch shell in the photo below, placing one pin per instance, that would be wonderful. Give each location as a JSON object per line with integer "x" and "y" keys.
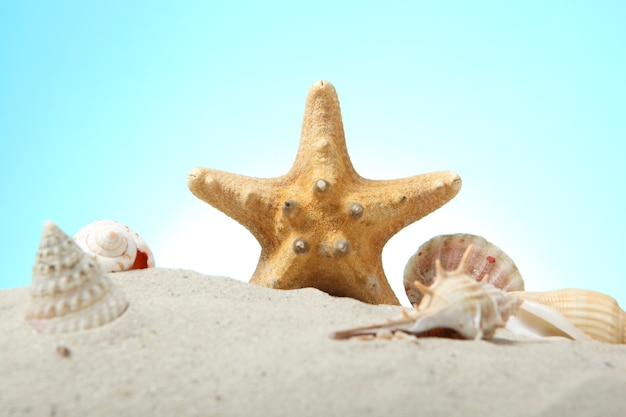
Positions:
{"x": 115, "y": 246}
{"x": 597, "y": 315}
{"x": 69, "y": 290}
{"x": 454, "y": 301}
{"x": 485, "y": 262}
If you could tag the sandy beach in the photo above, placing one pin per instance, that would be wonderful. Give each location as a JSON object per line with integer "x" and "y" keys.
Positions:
{"x": 196, "y": 345}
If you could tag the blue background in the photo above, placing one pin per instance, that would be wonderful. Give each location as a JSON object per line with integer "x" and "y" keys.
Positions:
{"x": 106, "y": 106}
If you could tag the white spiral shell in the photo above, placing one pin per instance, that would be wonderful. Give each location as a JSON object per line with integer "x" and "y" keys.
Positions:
{"x": 456, "y": 301}
{"x": 114, "y": 246}
{"x": 69, "y": 290}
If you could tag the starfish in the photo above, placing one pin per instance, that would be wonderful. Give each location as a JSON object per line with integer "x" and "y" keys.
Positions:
{"x": 322, "y": 225}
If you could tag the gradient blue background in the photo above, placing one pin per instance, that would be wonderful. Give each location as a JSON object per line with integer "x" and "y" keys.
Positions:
{"x": 105, "y": 107}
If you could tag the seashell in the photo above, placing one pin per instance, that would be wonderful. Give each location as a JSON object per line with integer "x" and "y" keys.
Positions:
{"x": 455, "y": 301}
{"x": 69, "y": 290}
{"x": 540, "y": 321}
{"x": 115, "y": 246}
{"x": 597, "y": 315}
{"x": 486, "y": 262}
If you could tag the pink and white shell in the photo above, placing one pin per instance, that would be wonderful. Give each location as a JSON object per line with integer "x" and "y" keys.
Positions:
{"x": 485, "y": 262}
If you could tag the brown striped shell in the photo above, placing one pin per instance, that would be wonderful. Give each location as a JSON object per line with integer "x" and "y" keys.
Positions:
{"x": 485, "y": 261}
{"x": 69, "y": 290}
{"x": 598, "y": 315}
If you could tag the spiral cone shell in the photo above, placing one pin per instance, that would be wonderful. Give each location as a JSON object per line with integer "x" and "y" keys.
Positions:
{"x": 596, "y": 314}
{"x": 114, "y": 246}
{"x": 486, "y": 262}
{"x": 69, "y": 290}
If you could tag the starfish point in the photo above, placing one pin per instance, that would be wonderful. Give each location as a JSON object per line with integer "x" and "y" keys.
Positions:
{"x": 322, "y": 225}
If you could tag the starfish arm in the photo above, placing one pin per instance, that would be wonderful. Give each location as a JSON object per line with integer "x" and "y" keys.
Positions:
{"x": 391, "y": 205}
{"x": 322, "y": 141}
{"x": 248, "y": 200}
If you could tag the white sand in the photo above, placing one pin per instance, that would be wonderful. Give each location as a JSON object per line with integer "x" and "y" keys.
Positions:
{"x": 194, "y": 345}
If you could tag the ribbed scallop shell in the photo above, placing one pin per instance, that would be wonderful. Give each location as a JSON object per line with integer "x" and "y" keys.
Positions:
{"x": 69, "y": 290}
{"x": 115, "y": 246}
{"x": 596, "y": 314}
{"x": 454, "y": 301}
{"x": 485, "y": 260}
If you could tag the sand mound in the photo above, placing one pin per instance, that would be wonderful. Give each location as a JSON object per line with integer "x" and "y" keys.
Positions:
{"x": 195, "y": 345}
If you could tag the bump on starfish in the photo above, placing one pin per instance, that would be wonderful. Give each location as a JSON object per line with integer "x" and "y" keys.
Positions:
{"x": 322, "y": 225}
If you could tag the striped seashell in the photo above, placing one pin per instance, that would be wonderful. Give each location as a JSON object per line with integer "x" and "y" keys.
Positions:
{"x": 486, "y": 262}
{"x": 454, "y": 301}
{"x": 69, "y": 290}
{"x": 536, "y": 320}
{"x": 115, "y": 246}
{"x": 597, "y": 315}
